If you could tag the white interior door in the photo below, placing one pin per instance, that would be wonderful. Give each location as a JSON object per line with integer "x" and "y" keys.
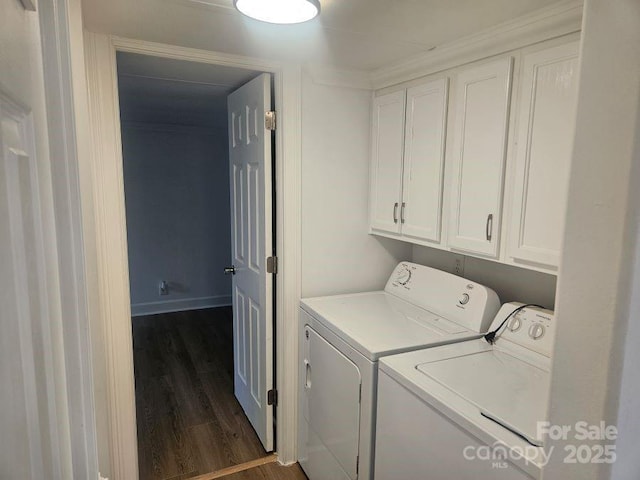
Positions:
{"x": 252, "y": 243}
{"x": 23, "y": 302}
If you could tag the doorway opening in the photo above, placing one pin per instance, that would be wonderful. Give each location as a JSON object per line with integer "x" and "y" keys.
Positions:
{"x": 180, "y": 200}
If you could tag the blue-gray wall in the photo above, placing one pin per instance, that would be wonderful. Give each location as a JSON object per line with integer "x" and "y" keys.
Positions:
{"x": 177, "y": 201}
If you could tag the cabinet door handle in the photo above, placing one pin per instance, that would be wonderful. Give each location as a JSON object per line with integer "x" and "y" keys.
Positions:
{"x": 489, "y": 226}
{"x": 402, "y": 212}
{"x": 395, "y": 212}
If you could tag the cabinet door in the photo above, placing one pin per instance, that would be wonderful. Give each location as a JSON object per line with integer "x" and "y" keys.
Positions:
{"x": 543, "y": 154}
{"x": 386, "y": 161}
{"x": 421, "y": 209}
{"x": 478, "y": 155}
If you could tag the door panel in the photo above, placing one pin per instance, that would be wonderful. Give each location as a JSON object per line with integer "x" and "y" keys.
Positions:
{"x": 238, "y": 214}
{"x": 545, "y": 141}
{"x": 253, "y": 213}
{"x": 252, "y": 241}
{"x": 421, "y": 211}
{"x": 386, "y": 166}
{"x": 478, "y": 156}
{"x": 332, "y": 402}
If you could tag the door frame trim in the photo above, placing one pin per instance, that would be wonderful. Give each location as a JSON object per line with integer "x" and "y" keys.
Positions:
{"x": 105, "y": 233}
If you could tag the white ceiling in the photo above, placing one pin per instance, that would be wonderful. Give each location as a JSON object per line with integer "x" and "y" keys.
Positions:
{"x": 166, "y": 91}
{"x": 356, "y": 34}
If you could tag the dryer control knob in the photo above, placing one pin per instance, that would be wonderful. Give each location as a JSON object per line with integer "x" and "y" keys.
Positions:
{"x": 404, "y": 276}
{"x": 536, "y": 331}
{"x": 515, "y": 324}
{"x": 464, "y": 299}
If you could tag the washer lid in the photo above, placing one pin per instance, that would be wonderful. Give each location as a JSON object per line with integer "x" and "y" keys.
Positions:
{"x": 378, "y": 323}
{"x": 506, "y": 389}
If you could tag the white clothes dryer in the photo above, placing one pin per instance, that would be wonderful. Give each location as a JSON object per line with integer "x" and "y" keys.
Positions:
{"x": 342, "y": 337}
{"x": 468, "y": 411}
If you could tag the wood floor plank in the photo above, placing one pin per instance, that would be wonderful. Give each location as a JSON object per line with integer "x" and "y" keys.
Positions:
{"x": 194, "y": 403}
{"x": 238, "y": 431}
{"x": 218, "y": 448}
{"x": 155, "y": 396}
{"x": 213, "y": 451}
{"x": 202, "y": 347}
{"x": 149, "y": 355}
{"x": 189, "y": 422}
{"x": 165, "y": 448}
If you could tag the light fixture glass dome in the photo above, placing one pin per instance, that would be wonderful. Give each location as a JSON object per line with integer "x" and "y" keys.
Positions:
{"x": 279, "y": 11}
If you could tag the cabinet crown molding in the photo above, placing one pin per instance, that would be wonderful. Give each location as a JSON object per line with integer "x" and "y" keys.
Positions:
{"x": 557, "y": 20}
{"x": 544, "y": 24}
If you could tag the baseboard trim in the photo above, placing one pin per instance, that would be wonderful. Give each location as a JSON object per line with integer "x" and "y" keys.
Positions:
{"x": 168, "y": 306}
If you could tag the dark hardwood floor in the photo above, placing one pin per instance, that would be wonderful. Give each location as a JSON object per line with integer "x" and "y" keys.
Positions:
{"x": 189, "y": 422}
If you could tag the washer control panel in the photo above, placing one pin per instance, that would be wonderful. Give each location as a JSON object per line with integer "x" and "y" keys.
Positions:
{"x": 403, "y": 275}
{"x": 464, "y": 299}
{"x": 455, "y": 298}
{"x": 531, "y": 327}
{"x": 407, "y": 276}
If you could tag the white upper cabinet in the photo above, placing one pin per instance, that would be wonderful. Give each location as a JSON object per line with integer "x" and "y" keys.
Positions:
{"x": 478, "y": 148}
{"x": 440, "y": 173}
{"x": 543, "y": 154}
{"x": 407, "y": 166}
{"x": 421, "y": 209}
{"x": 386, "y": 166}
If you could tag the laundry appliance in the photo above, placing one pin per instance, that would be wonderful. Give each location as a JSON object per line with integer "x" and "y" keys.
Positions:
{"x": 342, "y": 337}
{"x": 470, "y": 410}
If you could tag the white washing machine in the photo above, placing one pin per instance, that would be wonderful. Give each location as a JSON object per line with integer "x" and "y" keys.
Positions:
{"x": 468, "y": 411}
{"x": 341, "y": 339}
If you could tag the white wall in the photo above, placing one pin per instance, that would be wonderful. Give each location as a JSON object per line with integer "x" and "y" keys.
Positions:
{"x": 597, "y": 312}
{"x": 512, "y": 284}
{"x": 627, "y": 466}
{"x": 338, "y": 255}
{"x": 176, "y": 182}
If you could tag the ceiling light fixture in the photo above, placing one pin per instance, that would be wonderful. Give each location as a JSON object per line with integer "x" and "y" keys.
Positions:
{"x": 279, "y": 11}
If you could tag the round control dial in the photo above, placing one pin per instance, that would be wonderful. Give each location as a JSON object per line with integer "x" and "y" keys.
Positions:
{"x": 464, "y": 299}
{"x": 515, "y": 324}
{"x": 536, "y": 331}
{"x": 403, "y": 276}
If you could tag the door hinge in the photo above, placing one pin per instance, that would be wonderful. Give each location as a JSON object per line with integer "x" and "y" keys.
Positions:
{"x": 357, "y": 464}
{"x": 272, "y": 397}
{"x": 272, "y": 265}
{"x": 360, "y": 394}
{"x": 270, "y": 120}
